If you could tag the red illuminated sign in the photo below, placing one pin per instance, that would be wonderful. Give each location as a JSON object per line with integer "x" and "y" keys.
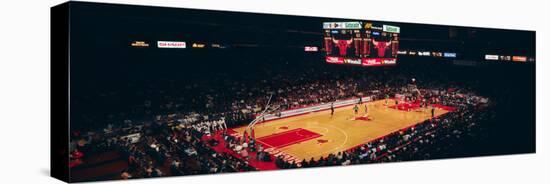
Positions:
{"x": 335, "y": 60}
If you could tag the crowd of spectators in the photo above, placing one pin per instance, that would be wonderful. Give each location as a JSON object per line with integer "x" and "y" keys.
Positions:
{"x": 177, "y": 150}
{"x": 169, "y": 124}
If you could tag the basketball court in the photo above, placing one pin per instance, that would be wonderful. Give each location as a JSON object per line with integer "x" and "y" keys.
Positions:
{"x": 319, "y": 134}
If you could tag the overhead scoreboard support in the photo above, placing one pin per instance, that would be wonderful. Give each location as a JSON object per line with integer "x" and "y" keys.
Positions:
{"x": 361, "y": 43}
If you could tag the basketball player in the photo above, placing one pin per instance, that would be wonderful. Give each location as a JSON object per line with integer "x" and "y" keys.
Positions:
{"x": 356, "y": 109}
{"x": 433, "y": 112}
{"x": 425, "y": 103}
{"x": 366, "y": 110}
{"x": 331, "y": 108}
{"x": 397, "y": 104}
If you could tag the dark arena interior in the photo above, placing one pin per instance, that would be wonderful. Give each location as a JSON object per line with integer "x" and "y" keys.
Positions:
{"x": 144, "y": 111}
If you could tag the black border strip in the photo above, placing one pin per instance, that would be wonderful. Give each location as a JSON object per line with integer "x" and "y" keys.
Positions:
{"x": 59, "y": 92}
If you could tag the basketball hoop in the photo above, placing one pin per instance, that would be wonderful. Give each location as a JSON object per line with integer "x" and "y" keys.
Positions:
{"x": 267, "y": 111}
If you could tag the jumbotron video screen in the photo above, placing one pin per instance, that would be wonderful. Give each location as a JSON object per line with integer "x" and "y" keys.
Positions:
{"x": 361, "y": 43}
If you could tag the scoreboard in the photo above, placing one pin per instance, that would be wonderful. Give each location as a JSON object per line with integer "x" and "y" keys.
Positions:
{"x": 343, "y": 42}
{"x": 361, "y": 43}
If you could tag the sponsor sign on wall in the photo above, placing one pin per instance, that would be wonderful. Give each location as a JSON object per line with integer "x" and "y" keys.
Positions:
{"x": 491, "y": 57}
{"x": 171, "y": 44}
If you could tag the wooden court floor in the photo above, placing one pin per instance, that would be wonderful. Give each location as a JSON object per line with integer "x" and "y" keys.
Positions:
{"x": 341, "y": 131}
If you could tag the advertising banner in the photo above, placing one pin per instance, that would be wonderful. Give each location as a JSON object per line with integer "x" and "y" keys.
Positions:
{"x": 519, "y": 58}
{"x": 335, "y": 60}
{"x": 310, "y": 49}
{"x": 325, "y": 106}
{"x": 491, "y": 57}
{"x": 449, "y": 54}
{"x": 371, "y": 62}
{"x": 139, "y": 44}
{"x": 342, "y": 25}
{"x": 171, "y": 44}
{"x": 391, "y": 29}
